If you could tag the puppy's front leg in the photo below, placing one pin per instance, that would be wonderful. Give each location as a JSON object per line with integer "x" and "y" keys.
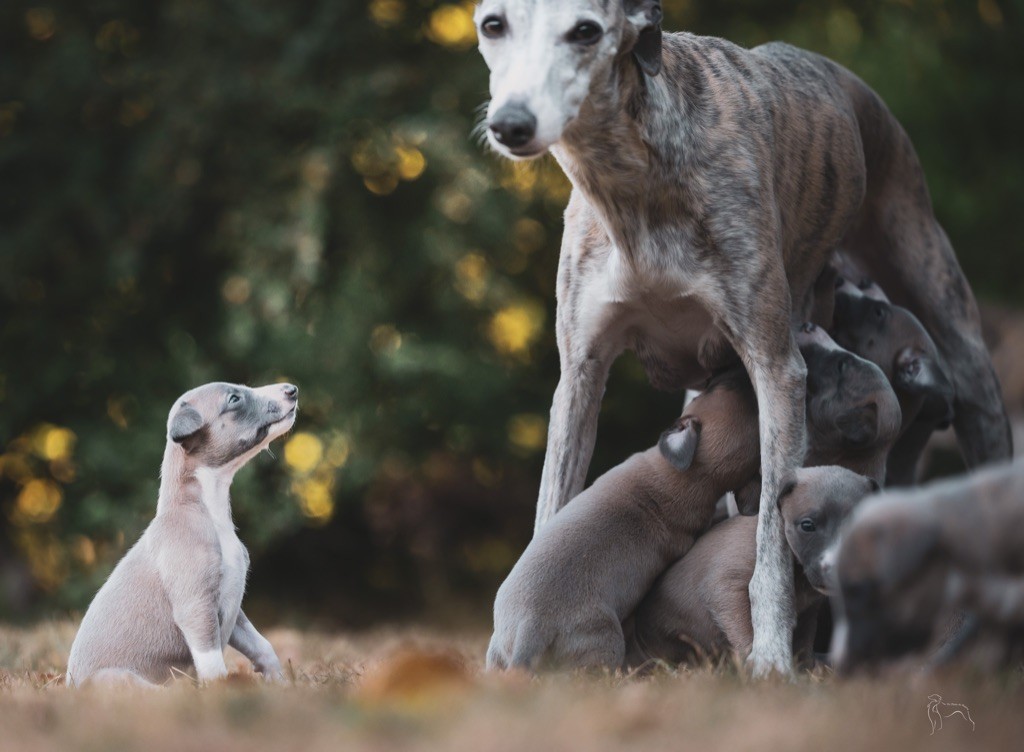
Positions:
{"x": 247, "y": 640}
{"x": 191, "y": 579}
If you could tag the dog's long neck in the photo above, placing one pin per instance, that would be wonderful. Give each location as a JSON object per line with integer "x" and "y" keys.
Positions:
{"x": 183, "y": 483}
{"x": 629, "y": 152}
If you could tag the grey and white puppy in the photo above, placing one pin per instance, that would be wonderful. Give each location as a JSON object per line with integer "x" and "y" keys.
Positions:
{"x": 710, "y": 185}
{"x": 174, "y": 602}
{"x": 907, "y": 559}
{"x": 585, "y": 571}
{"x": 699, "y": 608}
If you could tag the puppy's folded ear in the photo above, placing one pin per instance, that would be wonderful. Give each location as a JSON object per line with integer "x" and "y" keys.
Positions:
{"x": 184, "y": 426}
{"x": 678, "y": 444}
{"x": 859, "y": 426}
{"x": 918, "y": 373}
{"x": 646, "y": 15}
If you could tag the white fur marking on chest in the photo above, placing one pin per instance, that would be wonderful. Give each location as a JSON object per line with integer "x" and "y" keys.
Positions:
{"x": 234, "y": 564}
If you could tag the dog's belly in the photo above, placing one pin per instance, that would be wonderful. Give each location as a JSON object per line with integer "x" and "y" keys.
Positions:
{"x": 676, "y": 342}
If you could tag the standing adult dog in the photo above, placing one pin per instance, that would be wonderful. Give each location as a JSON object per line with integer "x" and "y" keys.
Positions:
{"x": 710, "y": 184}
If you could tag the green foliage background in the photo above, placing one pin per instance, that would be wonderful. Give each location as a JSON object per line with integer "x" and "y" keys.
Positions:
{"x": 249, "y": 190}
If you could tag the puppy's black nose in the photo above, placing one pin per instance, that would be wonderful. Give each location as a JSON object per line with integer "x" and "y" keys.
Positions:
{"x": 807, "y": 327}
{"x": 513, "y": 126}
{"x": 291, "y": 391}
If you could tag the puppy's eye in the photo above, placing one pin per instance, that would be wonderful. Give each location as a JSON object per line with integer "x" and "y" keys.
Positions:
{"x": 492, "y": 27}
{"x": 234, "y": 399}
{"x": 585, "y": 32}
{"x": 807, "y": 525}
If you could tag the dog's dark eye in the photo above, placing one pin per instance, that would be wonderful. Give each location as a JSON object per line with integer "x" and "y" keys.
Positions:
{"x": 585, "y": 32}
{"x": 492, "y": 27}
{"x": 807, "y": 525}
{"x": 234, "y": 399}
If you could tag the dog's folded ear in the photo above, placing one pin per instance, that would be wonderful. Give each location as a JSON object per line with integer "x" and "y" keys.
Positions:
{"x": 678, "y": 444}
{"x": 646, "y": 15}
{"x": 918, "y": 373}
{"x": 184, "y": 425}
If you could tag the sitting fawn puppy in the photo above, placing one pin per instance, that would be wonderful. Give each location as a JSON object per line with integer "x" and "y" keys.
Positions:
{"x": 700, "y": 609}
{"x": 587, "y": 568}
{"x": 909, "y": 558}
{"x": 175, "y": 600}
{"x": 866, "y": 323}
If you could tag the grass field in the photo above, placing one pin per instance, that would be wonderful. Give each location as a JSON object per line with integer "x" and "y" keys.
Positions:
{"x": 416, "y": 689}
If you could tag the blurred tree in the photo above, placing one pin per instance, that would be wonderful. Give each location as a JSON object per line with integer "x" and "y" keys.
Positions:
{"x": 197, "y": 190}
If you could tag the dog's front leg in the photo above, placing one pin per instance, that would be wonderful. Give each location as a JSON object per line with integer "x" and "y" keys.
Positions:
{"x": 761, "y": 334}
{"x": 247, "y": 640}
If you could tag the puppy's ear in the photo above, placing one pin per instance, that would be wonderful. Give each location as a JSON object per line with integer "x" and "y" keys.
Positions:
{"x": 918, "y": 373}
{"x": 788, "y": 487}
{"x": 646, "y": 16}
{"x": 678, "y": 444}
{"x": 184, "y": 426}
{"x": 859, "y": 426}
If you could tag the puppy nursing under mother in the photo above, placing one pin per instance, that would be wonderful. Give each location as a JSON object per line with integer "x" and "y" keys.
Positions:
{"x": 174, "y": 602}
{"x": 585, "y": 570}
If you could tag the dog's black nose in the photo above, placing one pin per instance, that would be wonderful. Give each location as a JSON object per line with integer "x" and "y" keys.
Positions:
{"x": 291, "y": 391}
{"x": 514, "y": 126}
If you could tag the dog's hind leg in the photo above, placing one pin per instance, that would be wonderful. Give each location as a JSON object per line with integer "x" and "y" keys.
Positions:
{"x": 902, "y": 246}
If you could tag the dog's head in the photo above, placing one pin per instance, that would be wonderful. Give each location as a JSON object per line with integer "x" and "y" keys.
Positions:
{"x": 546, "y": 56}
{"x": 893, "y": 338}
{"x": 851, "y": 408}
{"x": 814, "y": 508}
{"x": 891, "y": 584}
{"x": 225, "y": 425}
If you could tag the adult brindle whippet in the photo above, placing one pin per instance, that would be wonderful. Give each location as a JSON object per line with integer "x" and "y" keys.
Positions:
{"x": 710, "y": 184}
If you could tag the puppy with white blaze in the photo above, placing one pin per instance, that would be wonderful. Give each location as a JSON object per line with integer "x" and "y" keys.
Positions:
{"x": 174, "y": 602}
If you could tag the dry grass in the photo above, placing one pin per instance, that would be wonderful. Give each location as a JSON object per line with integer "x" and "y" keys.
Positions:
{"x": 417, "y": 690}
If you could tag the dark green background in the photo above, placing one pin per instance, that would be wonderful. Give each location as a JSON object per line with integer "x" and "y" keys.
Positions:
{"x": 181, "y": 200}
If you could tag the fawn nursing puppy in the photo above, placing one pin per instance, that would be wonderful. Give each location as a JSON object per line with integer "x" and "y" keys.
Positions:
{"x": 700, "y": 609}
{"x": 909, "y": 558}
{"x": 587, "y": 568}
{"x": 175, "y": 600}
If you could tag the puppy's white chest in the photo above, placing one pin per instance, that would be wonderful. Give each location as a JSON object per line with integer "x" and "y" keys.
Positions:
{"x": 234, "y": 567}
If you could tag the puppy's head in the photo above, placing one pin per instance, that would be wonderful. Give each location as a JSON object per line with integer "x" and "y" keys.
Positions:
{"x": 850, "y": 405}
{"x": 547, "y": 56}
{"x": 891, "y": 584}
{"x": 814, "y": 508}
{"x": 893, "y": 338}
{"x": 224, "y": 425}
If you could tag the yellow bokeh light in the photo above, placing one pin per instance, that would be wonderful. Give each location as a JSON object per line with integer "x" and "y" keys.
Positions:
{"x": 38, "y": 501}
{"x": 303, "y": 452}
{"x": 338, "y": 451}
{"x": 471, "y": 274}
{"x": 528, "y": 432}
{"x": 41, "y": 23}
{"x": 382, "y": 185}
{"x": 386, "y": 12}
{"x": 452, "y": 26}
{"x": 315, "y": 499}
{"x": 58, "y": 443}
{"x": 385, "y": 339}
{"x": 515, "y": 328}
{"x": 411, "y": 162}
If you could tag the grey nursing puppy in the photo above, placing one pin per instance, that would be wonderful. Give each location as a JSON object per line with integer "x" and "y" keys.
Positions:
{"x": 711, "y": 183}
{"x": 910, "y": 558}
{"x": 174, "y": 602}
